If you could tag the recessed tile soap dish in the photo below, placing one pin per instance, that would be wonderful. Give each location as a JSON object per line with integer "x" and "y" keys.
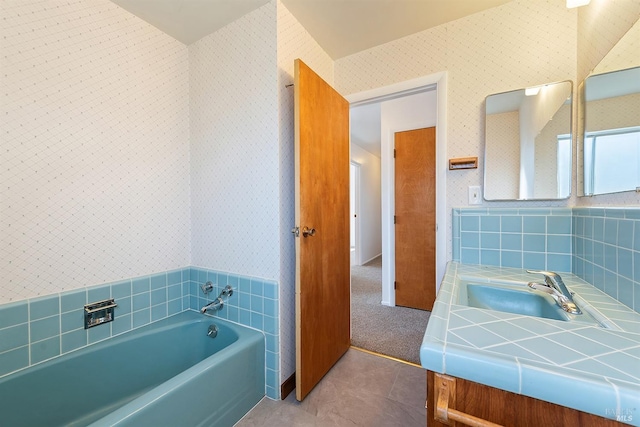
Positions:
{"x": 97, "y": 313}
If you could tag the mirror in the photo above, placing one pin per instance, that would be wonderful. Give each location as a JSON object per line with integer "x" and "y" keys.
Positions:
{"x": 528, "y": 143}
{"x": 594, "y": 177}
{"x": 611, "y": 141}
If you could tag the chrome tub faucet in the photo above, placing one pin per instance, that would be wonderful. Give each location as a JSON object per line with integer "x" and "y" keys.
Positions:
{"x": 217, "y": 303}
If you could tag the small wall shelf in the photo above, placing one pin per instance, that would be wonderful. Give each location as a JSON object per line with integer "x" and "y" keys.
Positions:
{"x": 463, "y": 163}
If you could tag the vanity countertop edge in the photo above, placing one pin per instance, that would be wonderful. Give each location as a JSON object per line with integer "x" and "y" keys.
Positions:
{"x": 541, "y": 358}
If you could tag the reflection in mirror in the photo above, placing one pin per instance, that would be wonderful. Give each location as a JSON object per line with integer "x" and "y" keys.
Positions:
{"x": 528, "y": 143}
{"x": 622, "y": 56}
{"x": 612, "y": 132}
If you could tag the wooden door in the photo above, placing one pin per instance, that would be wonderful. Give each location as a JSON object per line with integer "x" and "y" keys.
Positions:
{"x": 415, "y": 218}
{"x": 322, "y": 205}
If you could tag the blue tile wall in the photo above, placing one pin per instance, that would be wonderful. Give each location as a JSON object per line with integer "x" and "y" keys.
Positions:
{"x": 39, "y": 329}
{"x": 600, "y": 245}
{"x": 522, "y": 238}
{"x": 254, "y": 303}
{"x": 35, "y": 330}
{"x": 607, "y": 251}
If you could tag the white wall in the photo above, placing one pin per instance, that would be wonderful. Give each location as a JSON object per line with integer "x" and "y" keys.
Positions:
{"x": 503, "y": 171}
{"x": 547, "y": 166}
{"x": 293, "y": 41}
{"x": 406, "y": 113}
{"x": 370, "y": 209}
{"x": 95, "y": 147}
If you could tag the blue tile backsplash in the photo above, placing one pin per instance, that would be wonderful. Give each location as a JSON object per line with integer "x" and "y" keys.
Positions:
{"x": 600, "y": 245}
{"x": 520, "y": 238}
{"x": 607, "y": 251}
{"x": 38, "y": 329}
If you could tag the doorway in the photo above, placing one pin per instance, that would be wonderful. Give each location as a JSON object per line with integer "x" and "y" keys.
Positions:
{"x": 405, "y": 326}
{"x": 373, "y": 149}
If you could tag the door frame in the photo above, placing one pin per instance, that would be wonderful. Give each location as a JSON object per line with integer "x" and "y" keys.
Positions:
{"x": 388, "y": 236}
{"x": 356, "y": 191}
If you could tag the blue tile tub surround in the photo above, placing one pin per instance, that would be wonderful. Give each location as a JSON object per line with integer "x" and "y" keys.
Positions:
{"x": 607, "y": 251}
{"x": 35, "y": 330}
{"x": 573, "y": 364}
{"x": 521, "y": 238}
{"x": 38, "y": 329}
{"x": 254, "y": 303}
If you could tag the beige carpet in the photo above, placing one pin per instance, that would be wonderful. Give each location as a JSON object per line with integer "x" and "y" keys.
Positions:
{"x": 394, "y": 331}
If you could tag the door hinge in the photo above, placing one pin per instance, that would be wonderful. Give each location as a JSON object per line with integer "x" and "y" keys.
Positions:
{"x": 394, "y": 153}
{"x": 395, "y": 285}
{"x": 394, "y": 219}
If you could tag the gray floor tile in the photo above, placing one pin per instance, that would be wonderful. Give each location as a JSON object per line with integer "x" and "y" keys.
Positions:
{"x": 361, "y": 390}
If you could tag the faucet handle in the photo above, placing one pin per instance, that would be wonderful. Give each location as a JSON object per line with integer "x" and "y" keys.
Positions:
{"x": 544, "y": 273}
{"x": 552, "y": 278}
{"x": 206, "y": 287}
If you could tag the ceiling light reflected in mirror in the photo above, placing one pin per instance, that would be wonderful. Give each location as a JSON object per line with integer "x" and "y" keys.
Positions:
{"x": 576, "y": 3}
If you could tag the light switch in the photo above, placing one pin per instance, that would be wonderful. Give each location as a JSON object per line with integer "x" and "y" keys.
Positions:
{"x": 475, "y": 198}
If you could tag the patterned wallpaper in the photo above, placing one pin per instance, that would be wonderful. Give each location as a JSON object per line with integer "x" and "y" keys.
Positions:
{"x": 234, "y": 147}
{"x": 625, "y": 53}
{"x": 600, "y": 26}
{"x": 293, "y": 42}
{"x": 95, "y": 147}
{"x": 612, "y": 113}
{"x": 519, "y": 44}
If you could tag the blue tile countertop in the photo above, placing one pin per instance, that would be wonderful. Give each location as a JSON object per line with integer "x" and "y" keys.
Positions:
{"x": 570, "y": 363}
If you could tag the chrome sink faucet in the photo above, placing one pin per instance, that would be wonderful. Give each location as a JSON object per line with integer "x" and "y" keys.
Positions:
{"x": 555, "y": 287}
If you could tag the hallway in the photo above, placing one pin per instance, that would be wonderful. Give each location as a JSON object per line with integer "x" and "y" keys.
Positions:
{"x": 393, "y": 331}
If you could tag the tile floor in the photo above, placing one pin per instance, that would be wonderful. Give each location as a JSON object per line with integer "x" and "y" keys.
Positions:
{"x": 360, "y": 390}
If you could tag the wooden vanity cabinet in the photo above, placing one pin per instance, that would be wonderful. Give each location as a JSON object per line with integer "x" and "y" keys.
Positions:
{"x": 486, "y": 405}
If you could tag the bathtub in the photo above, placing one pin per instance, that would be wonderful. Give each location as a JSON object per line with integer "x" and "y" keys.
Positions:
{"x": 168, "y": 373}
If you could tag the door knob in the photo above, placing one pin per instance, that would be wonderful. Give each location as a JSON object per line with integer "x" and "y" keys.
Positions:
{"x": 308, "y": 232}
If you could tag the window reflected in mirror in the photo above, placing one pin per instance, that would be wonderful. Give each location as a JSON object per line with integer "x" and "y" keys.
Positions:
{"x": 611, "y": 145}
{"x": 528, "y": 143}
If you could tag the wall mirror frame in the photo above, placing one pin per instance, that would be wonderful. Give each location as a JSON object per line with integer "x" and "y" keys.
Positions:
{"x": 528, "y": 143}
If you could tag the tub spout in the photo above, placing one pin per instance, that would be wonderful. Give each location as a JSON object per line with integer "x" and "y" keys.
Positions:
{"x": 215, "y": 305}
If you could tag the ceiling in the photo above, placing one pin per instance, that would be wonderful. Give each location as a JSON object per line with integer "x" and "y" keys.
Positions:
{"x": 611, "y": 85}
{"x": 341, "y": 27}
{"x": 189, "y": 20}
{"x": 344, "y": 27}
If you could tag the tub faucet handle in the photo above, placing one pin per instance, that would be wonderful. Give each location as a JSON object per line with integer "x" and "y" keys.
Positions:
{"x": 206, "y": 287}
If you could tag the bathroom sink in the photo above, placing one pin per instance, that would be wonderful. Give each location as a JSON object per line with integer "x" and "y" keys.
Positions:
{"x": 517, "y": 299}
{"x": 514, "y": 301}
